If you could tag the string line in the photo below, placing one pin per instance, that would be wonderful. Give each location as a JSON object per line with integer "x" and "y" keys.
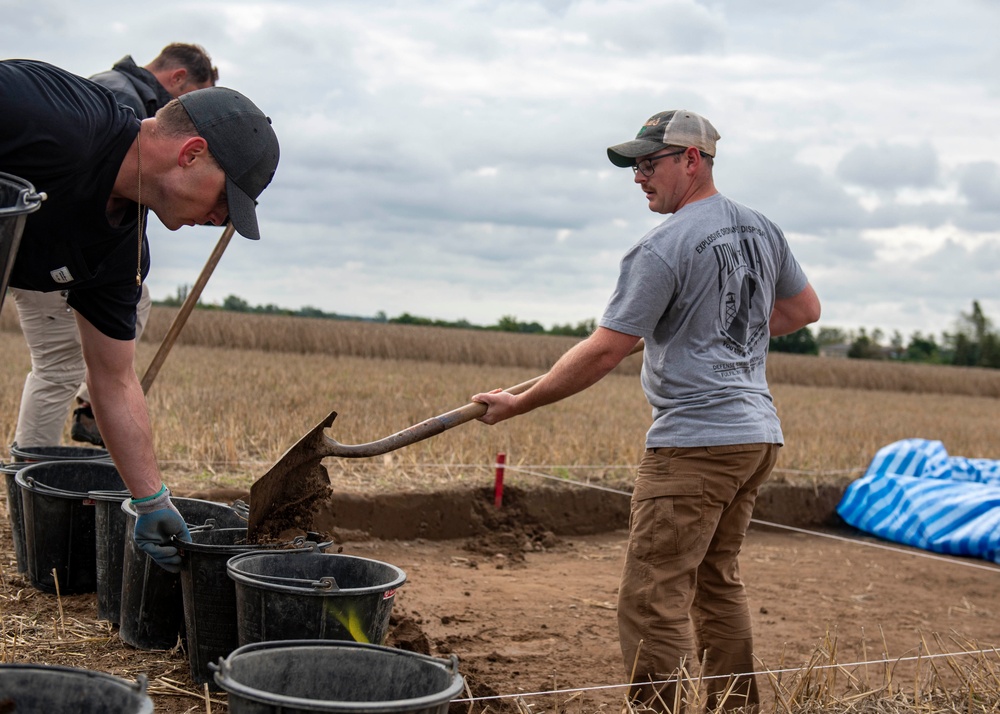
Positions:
{"x": 789, "y": 670}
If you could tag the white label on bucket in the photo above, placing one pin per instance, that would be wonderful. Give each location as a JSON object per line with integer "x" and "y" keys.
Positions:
{"x": 61, "y": 275}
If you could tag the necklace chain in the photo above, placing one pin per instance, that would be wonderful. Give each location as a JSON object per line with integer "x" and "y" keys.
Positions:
{"x": 138, "y": 265}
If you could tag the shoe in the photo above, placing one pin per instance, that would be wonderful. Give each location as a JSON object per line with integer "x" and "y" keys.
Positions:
{"x": 85, "y": 426}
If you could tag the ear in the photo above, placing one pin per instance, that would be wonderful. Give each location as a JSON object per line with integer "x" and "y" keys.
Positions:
{"x": 193, "y": 148}
{"x": 693, "y": 158}
{"x": 178, "y": 77}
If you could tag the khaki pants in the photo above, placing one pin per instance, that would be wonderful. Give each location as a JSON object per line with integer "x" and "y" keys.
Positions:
{"x": 681, "y": 594}
{"x": 57, "y": 367}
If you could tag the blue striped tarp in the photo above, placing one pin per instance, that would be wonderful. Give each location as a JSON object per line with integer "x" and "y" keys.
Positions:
{"x": 914, "y": 493}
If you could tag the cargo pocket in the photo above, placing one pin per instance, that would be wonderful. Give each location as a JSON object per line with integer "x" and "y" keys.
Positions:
{"x": 666, "y": 516}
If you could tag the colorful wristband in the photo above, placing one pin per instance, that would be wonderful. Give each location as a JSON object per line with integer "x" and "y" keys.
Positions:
{"x": 163, "y": 488}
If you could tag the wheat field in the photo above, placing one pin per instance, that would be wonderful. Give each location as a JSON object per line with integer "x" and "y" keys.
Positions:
{"x": 238, "y": 389}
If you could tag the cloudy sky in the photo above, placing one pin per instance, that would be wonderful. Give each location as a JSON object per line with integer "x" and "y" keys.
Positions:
{"x": 448, "y": 158}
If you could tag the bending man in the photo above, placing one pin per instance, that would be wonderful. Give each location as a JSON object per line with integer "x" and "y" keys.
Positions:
{"x": 204, "y": 158}
{"x": 47, "y": 321}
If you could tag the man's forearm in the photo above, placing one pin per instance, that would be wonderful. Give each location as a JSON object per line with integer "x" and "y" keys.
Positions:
{"x": 583, "y": 366}
{"x": 120, "y": 408}
{"x": 122, "y": 416}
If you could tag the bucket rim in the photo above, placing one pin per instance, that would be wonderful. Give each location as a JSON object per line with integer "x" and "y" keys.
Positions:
{"x": 139, "y": 685}
{"x": 25, "y": 479}
{"x": 130, "y": 509}
{"x": 223, "y": 678}
{"x": 311, "y": 586}
{"x": 16, "y": 450}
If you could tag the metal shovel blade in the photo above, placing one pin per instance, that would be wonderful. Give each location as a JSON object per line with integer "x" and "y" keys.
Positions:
{"x": 296, "y": 478}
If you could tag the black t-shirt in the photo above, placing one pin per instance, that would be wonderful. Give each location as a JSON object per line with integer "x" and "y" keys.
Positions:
{"x": 68, "y": 137}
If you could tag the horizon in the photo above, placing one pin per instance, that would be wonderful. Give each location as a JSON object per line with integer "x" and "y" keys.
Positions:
{"x": 850, "y": 334}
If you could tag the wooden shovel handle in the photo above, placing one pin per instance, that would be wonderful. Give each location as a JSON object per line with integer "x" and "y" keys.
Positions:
{"x": 182, "y": 315}
{"x": 428, "y": 427}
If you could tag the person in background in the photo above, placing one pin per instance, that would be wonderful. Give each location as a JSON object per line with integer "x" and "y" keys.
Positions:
{"x": 204, "y": 158}
{"x": 47, "y": 321}
{"x": 705, "y": 290}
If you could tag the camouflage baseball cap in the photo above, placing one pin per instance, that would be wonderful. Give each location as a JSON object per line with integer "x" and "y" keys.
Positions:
{"x": 678, "y": 127}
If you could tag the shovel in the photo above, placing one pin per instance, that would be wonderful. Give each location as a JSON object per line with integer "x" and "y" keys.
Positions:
{"x": 298, "y": 478}
{"x": 189, "y": 303}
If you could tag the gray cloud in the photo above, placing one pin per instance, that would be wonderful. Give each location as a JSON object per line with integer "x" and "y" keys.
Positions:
{"x": 979, "y": 186}
{"x": 798, "y": 196}
{"x": 890, "y": 166}
{"x": 677, "y": 27}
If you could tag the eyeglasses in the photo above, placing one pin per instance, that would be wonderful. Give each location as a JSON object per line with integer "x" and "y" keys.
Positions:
{"x": 646, "y": 165}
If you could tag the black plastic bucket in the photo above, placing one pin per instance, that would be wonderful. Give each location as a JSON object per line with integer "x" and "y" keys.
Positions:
{"x": 109, "y": 523}
{"x": 300, "y": 676}
{"x": 303, "y": 595}
{"x": 14, "y": 513}
{"x": 210, "y": 620}
{"x": 29, "y": 455}
{"x": 59, "y": 524}
{"x": 152, "y": 607}
{"x": 66, "y": 690}
{"x": 18, "y": 198}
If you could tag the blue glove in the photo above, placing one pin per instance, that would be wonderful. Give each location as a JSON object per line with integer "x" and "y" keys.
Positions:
{"x": 157, "y": 520}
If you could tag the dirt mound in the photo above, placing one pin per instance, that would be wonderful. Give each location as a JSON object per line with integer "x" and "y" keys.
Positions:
{"x": 507, "y": 533}
{"x": 405, "y": 633}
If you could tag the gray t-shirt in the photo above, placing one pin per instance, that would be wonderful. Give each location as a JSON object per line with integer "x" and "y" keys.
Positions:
{"x": 699, "y": 288}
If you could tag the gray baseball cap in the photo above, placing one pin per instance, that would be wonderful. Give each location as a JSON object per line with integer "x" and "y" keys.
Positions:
{"x": 241, "y": 139}
{"x": 678, "y": 127}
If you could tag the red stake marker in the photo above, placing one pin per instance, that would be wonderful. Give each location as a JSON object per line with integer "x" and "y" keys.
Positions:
{"x": 498, "y": 481}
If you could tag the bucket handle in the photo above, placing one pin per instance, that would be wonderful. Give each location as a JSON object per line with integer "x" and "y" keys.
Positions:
{"x": 52, "y": 490}
{"x": 242, "y": 508}
{"x": 32, "y": 199}
{"x": 299, "y": 542}
{"x": 326, "y": 584}
{"x": 110, "y": 492}
{"x": 28, "y": 201}
{"x": 210, "y": 524}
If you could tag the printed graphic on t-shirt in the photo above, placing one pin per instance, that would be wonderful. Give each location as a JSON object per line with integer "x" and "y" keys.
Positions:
{"x": 742, "y": 310}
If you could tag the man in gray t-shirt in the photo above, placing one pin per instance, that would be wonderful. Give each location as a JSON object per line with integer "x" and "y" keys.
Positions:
{"x": 705, "y": 290}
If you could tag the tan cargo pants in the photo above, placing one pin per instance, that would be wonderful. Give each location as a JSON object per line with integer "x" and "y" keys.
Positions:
{"x": 681, "y": 595}
{"x": 57, "y": 368}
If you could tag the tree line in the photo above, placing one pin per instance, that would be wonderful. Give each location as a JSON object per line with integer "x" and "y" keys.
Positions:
{"x": 973, "y": 343}
{"x": 507, "y": 323}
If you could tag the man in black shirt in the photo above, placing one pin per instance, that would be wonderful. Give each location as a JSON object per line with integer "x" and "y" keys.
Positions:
{"x": 202, "y": 159}
{"x": 48, "y": 323}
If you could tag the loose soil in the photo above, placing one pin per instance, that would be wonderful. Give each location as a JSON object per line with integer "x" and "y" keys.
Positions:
{"x": 524, "y": 596}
